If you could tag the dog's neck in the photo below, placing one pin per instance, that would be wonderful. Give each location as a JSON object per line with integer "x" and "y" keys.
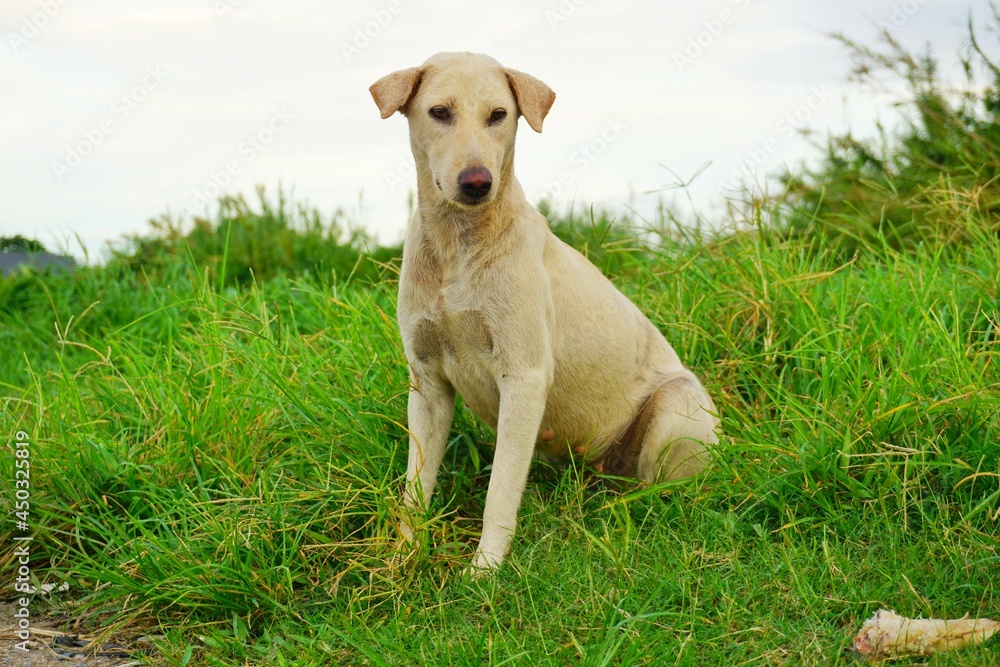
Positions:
{"x": 460, "y": 230}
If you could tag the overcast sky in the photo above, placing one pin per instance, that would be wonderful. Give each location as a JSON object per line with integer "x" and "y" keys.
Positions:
{"x": 112, "y": 113}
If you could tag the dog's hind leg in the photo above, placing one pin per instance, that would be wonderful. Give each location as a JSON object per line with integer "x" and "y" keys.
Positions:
{"x": 680, "y": 426}
{"x": 669, "y": 437}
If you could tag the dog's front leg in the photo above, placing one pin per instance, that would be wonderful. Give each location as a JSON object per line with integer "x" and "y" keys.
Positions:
{"x": 429, "y": 412}
{"x": 522, "y": 404}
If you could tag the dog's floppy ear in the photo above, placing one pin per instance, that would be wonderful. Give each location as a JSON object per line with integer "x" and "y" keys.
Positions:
{"x": 392, "y": 92}
{"x": 534, "y": 98}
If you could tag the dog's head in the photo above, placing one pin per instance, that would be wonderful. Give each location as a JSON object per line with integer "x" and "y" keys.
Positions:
{"x": 463, "y": 110}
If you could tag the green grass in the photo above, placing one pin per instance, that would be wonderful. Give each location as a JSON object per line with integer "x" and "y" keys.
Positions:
{"x": 226, "y": 466}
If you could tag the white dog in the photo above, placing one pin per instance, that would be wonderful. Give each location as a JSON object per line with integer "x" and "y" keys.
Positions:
{"x": 538, "y": 342}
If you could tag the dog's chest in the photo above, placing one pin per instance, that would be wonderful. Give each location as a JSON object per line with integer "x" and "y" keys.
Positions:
{"x": 459, "y": 335}
{"x": 459, "y": 343}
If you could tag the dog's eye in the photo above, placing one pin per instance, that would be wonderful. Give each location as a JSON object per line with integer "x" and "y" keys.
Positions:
{"x": 497, "y": 116}
{"x": 441, "y": 113}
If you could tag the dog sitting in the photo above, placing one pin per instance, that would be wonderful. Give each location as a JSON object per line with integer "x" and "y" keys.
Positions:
{"x": 540, "y": 345}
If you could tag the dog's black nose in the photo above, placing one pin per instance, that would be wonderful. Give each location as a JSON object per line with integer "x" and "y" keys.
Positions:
{"x": 475, "y": 183}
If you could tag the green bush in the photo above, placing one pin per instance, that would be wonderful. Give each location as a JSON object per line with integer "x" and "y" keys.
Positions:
{"x": 242, "y": 245}
{"x": 896, "y": 187}
{"x": 18, "y": 243}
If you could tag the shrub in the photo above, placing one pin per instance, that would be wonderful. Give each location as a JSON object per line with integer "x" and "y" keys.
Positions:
{"x": 890, "y": 188}
{"x": 243, "y": 245}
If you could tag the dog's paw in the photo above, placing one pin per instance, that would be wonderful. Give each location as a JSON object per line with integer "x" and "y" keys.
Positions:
{"x": 407, "y": 534}
{"x": 405, "y": 550}
{"x": 483, "y": 565}
{"x": 474, "y": 573}
{"x": 402, "y": 557}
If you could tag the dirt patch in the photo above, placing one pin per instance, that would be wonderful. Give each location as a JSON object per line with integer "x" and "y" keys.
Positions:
{"x": 50, "y": 646}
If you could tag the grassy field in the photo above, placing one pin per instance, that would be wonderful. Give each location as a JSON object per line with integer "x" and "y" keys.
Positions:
{"x": 216, "y": 456}
{"x": 225, "y": 464}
